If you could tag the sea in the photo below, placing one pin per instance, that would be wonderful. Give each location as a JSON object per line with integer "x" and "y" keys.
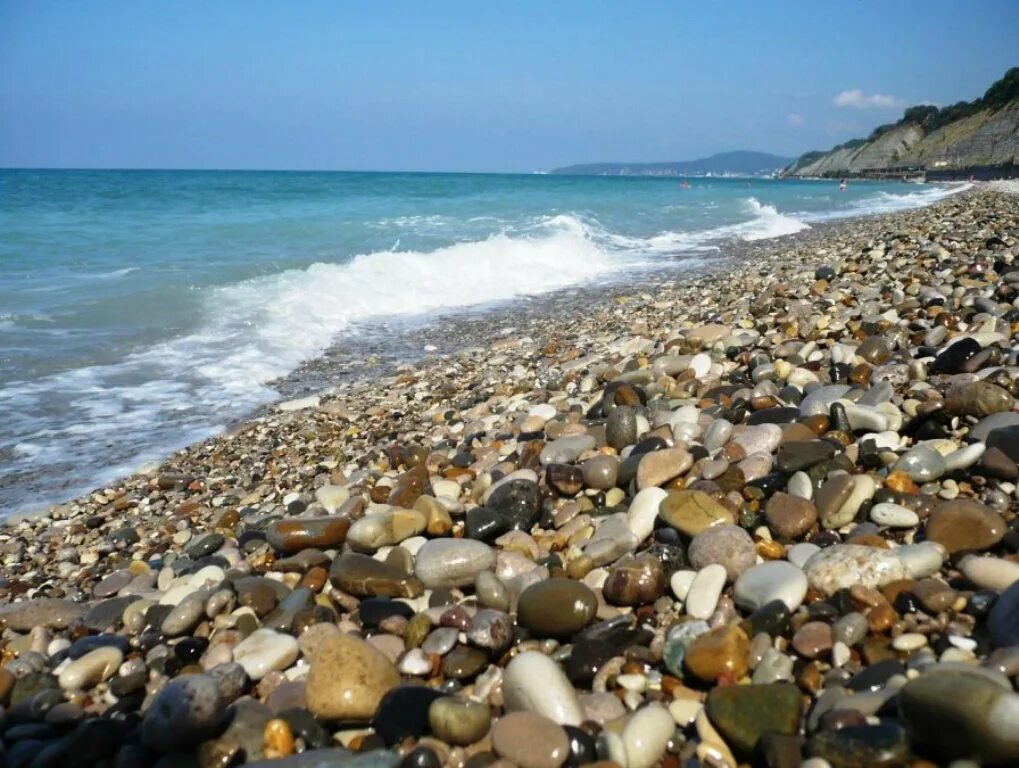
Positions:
{"x": 141, "y": 311}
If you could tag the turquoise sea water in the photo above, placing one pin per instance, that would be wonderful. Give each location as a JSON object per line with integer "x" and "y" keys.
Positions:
{"x": 142, "y": 310}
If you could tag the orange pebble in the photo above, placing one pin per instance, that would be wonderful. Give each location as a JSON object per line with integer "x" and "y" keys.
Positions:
{"x": 278, "y": 738}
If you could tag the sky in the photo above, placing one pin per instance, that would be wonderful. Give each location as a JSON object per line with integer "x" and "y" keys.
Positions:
{"x": 473, "y": 86}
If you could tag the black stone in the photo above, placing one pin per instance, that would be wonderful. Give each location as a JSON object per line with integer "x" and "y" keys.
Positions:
{"x": 485, "y": 524}
{"x": 1003, "y": 619}
{"x": 205, "y": 546}
{"x": 866, "y": 746}
{"x": 772, "y": 618}
{"x": 519, "y": 501}
{"x": 671, "y": 556}
{"x": 421, "y": 757}
{"x": 781, "y": 415}
{"x": 374, "y": 610}
{"x": 403, "y": 712}
{"x": 190, "y": 649}
{"x": 953, "y": 358}
{"x": 875, "y": 676}
{"x": 1006, "y": 440}
{"x": 582, "y": 746}
{"x": 980, "y": 603}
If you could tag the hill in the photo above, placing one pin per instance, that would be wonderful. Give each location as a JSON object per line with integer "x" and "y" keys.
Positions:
{"x": 980, "y": 135}
{"x": 739, "y": 163}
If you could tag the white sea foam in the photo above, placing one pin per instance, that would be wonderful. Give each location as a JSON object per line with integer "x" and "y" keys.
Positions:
{"x": 890, "y": 202}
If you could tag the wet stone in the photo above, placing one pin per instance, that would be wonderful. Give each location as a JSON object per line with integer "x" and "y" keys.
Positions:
{"x": 861, "y": 746}
{"x": 459, "y": 721}
{"x": 744, "y": 713}
{"x": 295, "y": 534}
{"x": 364, "y": 576}
{"x": 635, "y": 581}
{"x": 690, "y": 512}
{"x": 556, "y": 607}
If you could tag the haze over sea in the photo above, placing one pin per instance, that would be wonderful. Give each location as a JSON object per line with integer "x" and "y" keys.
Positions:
{"x": 143, "y": 310}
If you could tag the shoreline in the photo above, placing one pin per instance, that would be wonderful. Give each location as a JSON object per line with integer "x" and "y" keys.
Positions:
{"x": 363, "y": 354}
{"x": 766, "y": 507}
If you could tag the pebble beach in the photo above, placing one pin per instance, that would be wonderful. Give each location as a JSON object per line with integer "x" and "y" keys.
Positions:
{"x": 761, "y": 514}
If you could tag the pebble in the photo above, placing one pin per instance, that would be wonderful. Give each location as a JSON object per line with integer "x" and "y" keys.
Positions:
{"x": 690, "y": 512}
{"x": 964, "y": 525}
{"x": 185, "y": 712}
{"x": 347, "y": 679}
{"x": 92, "y": 668}
{"x": 702, "y": 596}
{"x": 459, "y": 721}
{"x": 845, "y": 565}
{"x": 766, "y": 582}
{"x": 530, "y": 740}
{"x": 265, "y": 650}
{"x": 556, "y": 607}
{"x": 743, "y": 714}
{"x": 533, "y": 682}
{"x": 961, "y": 716}
{"x": 790, "y": 516}
{"x": 444, "y": 563}
{"x": 646, "y": 736}
{"x": 727, "y": 545}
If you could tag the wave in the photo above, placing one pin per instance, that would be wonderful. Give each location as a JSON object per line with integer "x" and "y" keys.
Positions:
{"x": 890, "y": 202}
{"x": 171, "y": 394}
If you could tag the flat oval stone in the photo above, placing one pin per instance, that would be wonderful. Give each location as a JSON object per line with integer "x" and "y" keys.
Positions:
{"x": 646, "y": 736}
{"x": 556, "y": 607}
{"x": 533, "y": 682}
{"x": 979, "y": 399}
{"x": 659, "y": 467}
{"x": 957, "y": 715}
{"x": 844, "y": 565}
{"x": 775, "y": 580}
{"x": 990, "y": 572}
{"x": 92, "y": 668}
{"x": 530, "y": 740}
{"x": 347, "y": 679}
{"x": 49, "y": 612}
{"x": 965, "y": 525}
{"x": 264, "y": 651}
{"x": 364, "y": 576}
{"x": 727, "y": 545}
{"x": 690, "y": 512}
{"x": 445, "y": 563}
{"x": 566, "y": 450}
{"x": 643, "y": 511}
{"x": 894, "y": 516}
{"x": 296, "y": 533}
{"x": 702, "y": 596}
{"x": 459, "y": 721}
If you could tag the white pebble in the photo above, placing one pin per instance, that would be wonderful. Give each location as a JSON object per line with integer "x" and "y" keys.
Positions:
{"x": 702, "y": 598}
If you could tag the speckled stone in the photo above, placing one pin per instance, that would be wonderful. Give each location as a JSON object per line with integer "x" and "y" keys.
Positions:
{"x": 347, "y": 679}
{"x": 845, "y": 565}
{"x": 727, "y": 545}
{"x": 744, "y": 713}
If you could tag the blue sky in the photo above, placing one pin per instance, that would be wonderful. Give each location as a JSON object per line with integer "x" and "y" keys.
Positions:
{"x": 472, "y": 86}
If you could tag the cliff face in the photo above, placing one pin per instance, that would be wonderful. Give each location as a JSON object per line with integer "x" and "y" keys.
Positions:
{"x": 989, "y": 137}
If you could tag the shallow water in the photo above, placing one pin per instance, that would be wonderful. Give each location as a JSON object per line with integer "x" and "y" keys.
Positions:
{"x": 143, "y": 310}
